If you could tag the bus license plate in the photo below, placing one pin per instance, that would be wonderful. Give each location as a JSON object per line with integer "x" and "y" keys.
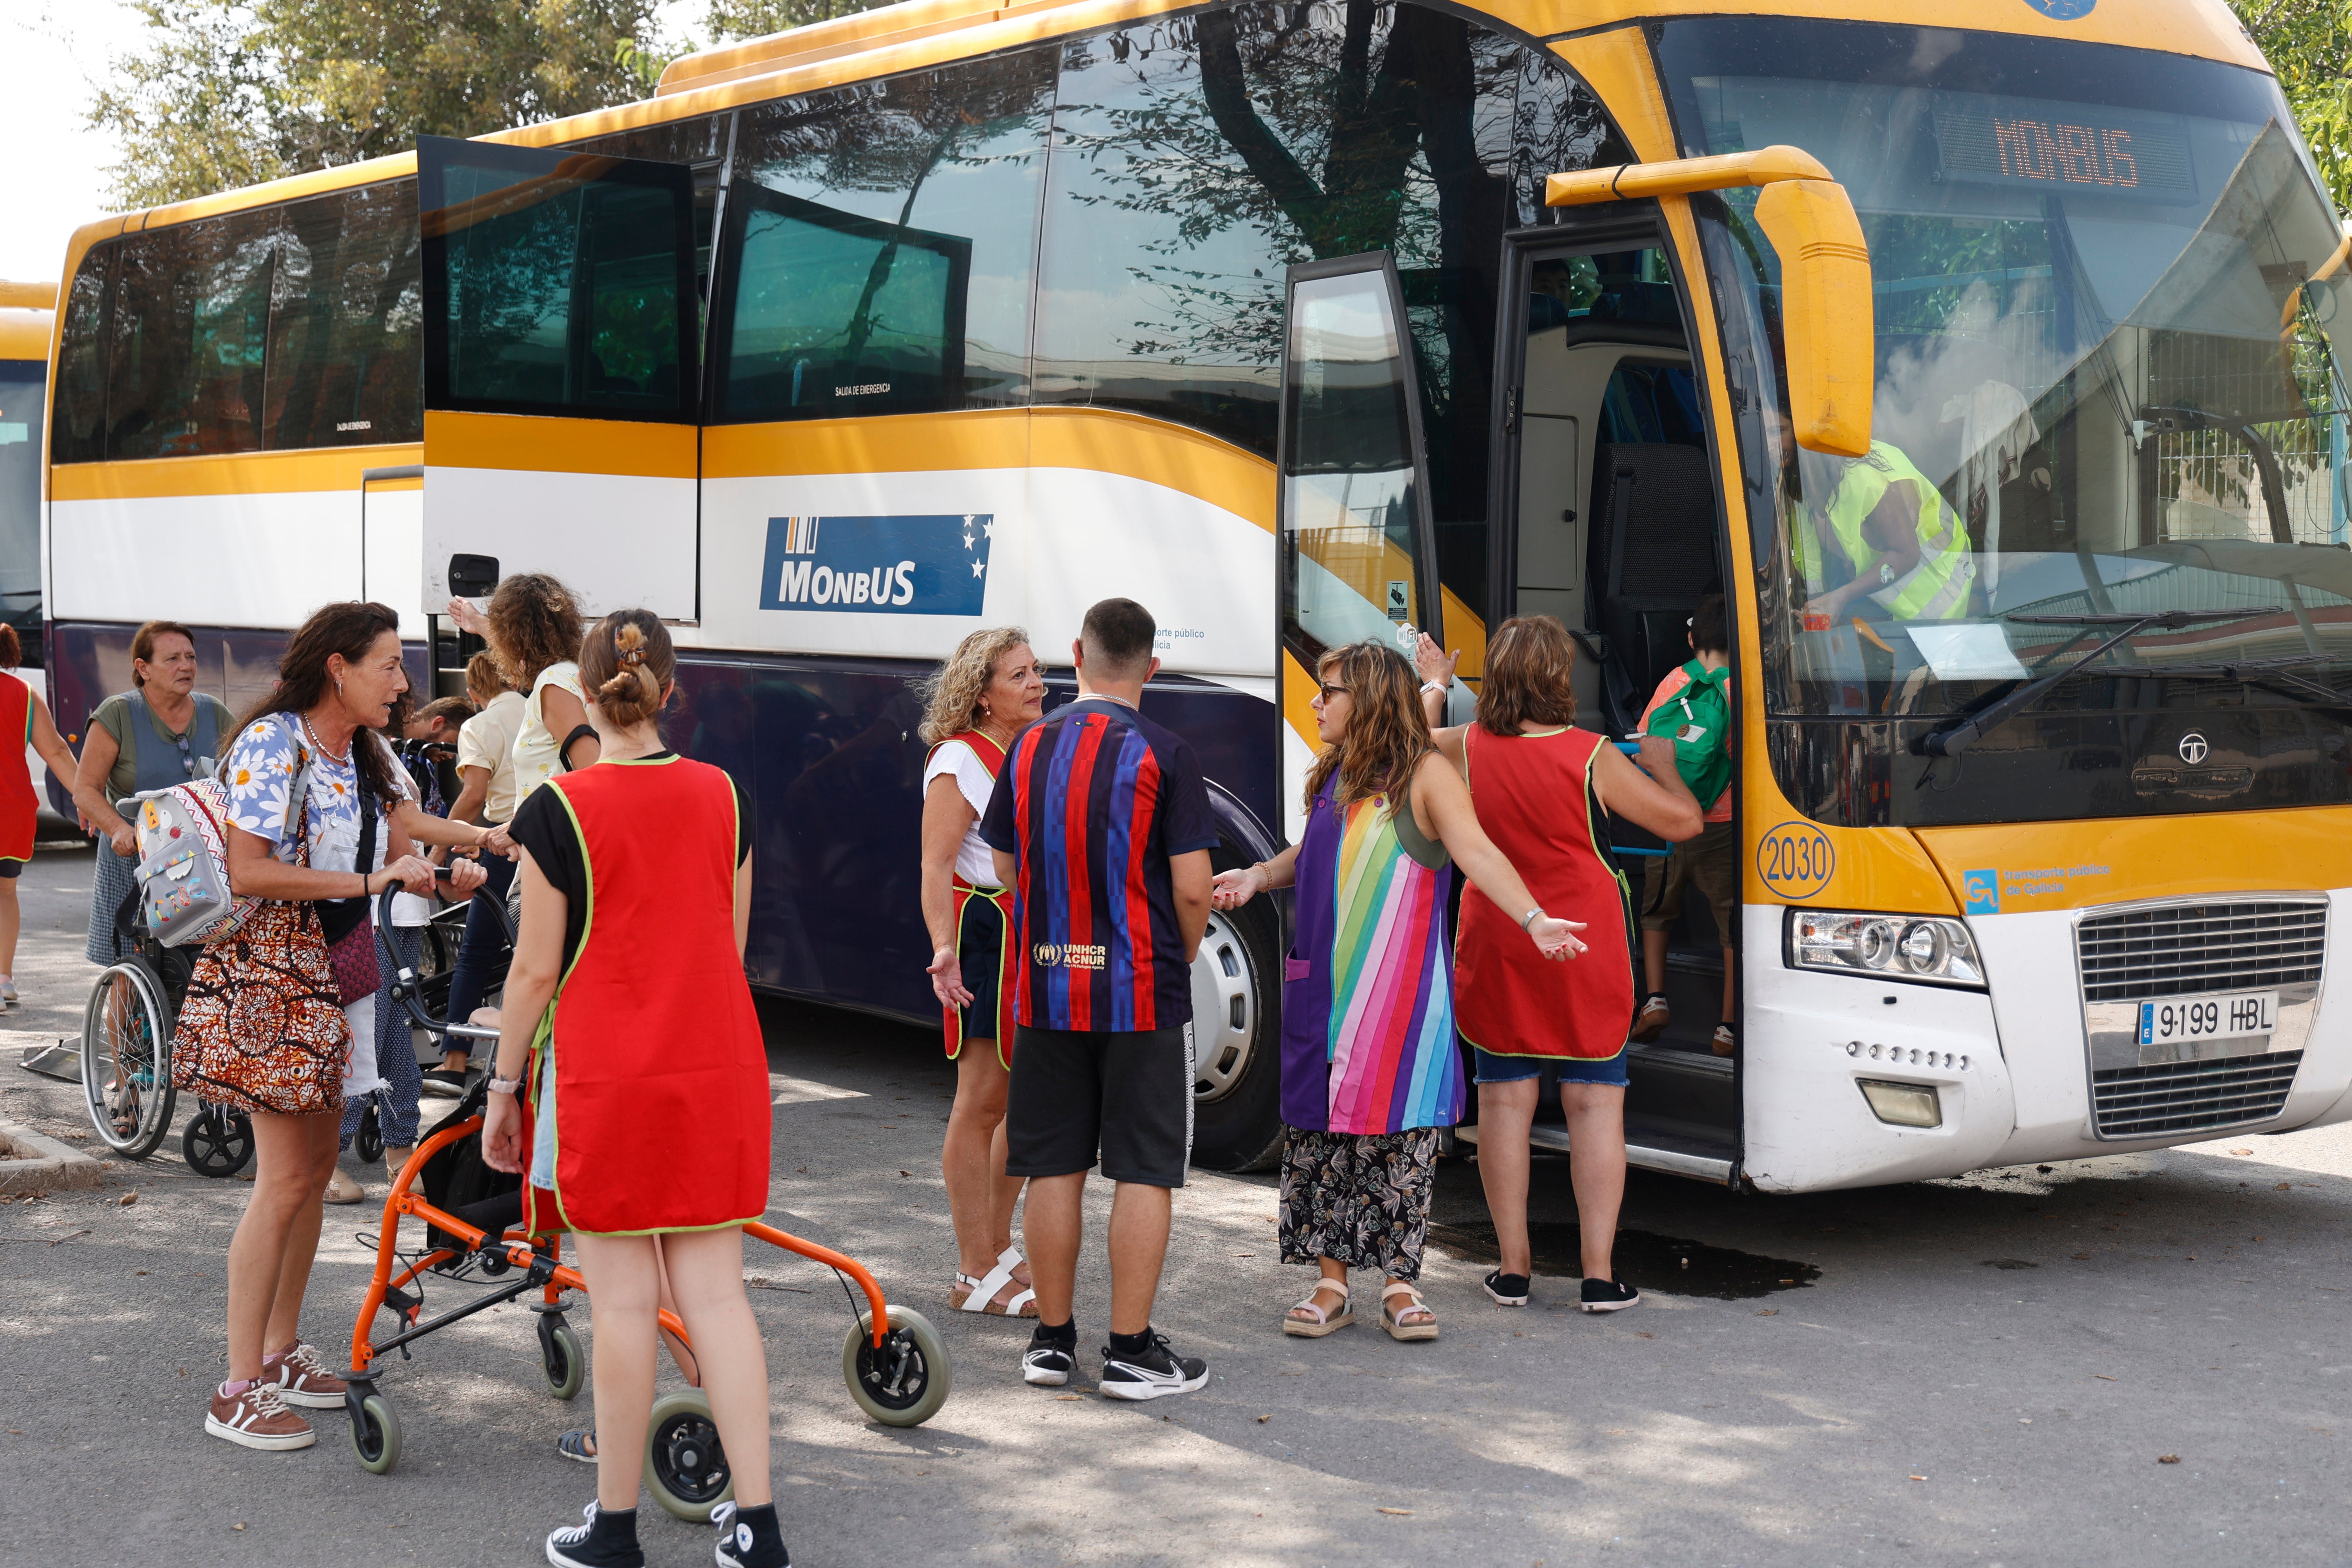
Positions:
{"x": 2184, "y": 1019}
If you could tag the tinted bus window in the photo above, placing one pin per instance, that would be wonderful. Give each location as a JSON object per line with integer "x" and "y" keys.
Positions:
{"x": 1199, "y": 156}
{"x": 882, "y": 252}
{"x": 184, "y": 359}
{"x": 344, "y": 316}
{"x": 79, "y": 435}
{"x": 21, "y": 383}
{"x": 699, "y": 142}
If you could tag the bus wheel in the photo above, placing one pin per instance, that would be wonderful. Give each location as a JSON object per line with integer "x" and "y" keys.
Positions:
{"x": 1236, "y": 1042}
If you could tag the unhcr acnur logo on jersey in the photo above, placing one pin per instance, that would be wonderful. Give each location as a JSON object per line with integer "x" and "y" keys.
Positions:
{"x": 905, "y": 565}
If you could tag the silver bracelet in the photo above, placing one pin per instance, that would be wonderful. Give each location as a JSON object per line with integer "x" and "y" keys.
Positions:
{"x": 506, "y": 1086}
{"x": 1529, "y": 918}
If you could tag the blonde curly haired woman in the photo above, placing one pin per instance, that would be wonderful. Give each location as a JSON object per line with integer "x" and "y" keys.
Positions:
{"x": 989, "y": 690}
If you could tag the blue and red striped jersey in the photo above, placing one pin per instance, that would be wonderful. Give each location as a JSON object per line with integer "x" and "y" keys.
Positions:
{"x": 1093, "y": 802}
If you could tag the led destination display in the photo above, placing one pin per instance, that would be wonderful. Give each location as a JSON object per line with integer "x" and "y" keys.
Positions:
{"x": 2062, "y": 146}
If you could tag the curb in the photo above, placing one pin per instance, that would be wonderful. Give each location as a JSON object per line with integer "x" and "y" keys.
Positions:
{"x": 32, "y": 1164}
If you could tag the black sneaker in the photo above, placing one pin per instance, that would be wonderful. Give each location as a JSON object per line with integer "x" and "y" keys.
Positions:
{"x": 1050, "y": 1356}
{"x": 1151, "y": 1373}
{"x": 446, "y": 1083}
{"x": 1608, "y": 1295}
{"x": 739, "y": 1545}
{"x": 1507, "y": 1289}
{"x": 582, "y": 1545}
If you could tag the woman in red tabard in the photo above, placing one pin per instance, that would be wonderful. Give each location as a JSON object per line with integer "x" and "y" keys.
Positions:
{"x": 1541, "y": 786}
{"x": 989, "y": 690}
{"x": 21, "y": 713}
{"x": 627, "y": 1013}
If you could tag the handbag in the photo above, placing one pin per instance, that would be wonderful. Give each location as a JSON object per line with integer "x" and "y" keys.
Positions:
{"x": 350, "y": 932}
{"x": 262, "y": 1027}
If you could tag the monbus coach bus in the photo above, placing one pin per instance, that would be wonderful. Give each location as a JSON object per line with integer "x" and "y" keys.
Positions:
{"x": 1980, "y": 353}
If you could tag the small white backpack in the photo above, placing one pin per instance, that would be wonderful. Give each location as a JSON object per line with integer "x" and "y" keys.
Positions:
{"x": 183, "y": 875}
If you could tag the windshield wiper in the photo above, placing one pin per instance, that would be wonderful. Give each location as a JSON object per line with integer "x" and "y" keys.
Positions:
{"x": 1962, "y": 731}
{"x": 2270, "y": 674}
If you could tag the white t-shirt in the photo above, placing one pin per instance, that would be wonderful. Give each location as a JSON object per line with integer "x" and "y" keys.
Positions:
{"x": 974, "y": 862}
{"x": 486, "y": 741}
{"x": 538, "y": 751}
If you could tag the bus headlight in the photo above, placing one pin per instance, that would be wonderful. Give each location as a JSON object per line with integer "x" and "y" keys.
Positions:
{"x": 1903, "y": 1104}
{"x": 1889, "y": 947}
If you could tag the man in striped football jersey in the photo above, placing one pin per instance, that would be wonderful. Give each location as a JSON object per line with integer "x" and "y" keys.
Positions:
{"x": 1101, "y": 825}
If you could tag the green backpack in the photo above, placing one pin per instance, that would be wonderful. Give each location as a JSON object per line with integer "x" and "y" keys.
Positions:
{"x": 1696, "y": 718}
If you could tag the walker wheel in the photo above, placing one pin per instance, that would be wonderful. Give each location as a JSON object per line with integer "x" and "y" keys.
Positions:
{"x": 368, "y": 1141}
{"x": 905, "y": 1383}
{"x": 375, "y": 1435}
{"x": 561, "y": 1359}
{"x": 216, "y": 1142}
{"x": 685, "y": 1469}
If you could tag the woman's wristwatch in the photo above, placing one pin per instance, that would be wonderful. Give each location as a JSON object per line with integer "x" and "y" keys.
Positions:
{"x": 1528, "y": 920}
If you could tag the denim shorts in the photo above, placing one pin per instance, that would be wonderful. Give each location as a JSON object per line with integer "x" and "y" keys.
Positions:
{"x": 1607, "y": 1072}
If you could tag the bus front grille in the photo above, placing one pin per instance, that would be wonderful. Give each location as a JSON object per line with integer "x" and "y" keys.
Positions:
{"x": 2180, "y": 1096}
{"x": 2177, "y": 950}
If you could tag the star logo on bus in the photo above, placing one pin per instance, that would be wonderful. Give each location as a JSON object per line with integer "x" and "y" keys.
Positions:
{"x": 978, "y": 567}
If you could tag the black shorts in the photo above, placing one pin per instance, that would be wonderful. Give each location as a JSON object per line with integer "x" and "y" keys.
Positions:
{"x": 1126, "y": 1094}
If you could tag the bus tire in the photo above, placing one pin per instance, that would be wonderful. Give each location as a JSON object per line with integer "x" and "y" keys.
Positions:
{"x": 1237, "y": 1083}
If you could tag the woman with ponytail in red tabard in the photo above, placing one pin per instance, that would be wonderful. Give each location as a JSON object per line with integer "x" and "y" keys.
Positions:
{"x": 22, "y": 712}
{"x": 627, "y": 1015}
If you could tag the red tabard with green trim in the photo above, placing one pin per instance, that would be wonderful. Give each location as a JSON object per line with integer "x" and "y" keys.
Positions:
{"x": 19, "y": 804}
{"x": 661, "y": 1081}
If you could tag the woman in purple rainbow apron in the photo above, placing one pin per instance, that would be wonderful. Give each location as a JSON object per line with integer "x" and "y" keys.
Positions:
{"x": 1370, "y": 1069}
{"x": 989, "y": 690}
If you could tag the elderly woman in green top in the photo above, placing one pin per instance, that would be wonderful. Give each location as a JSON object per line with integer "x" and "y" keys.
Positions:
{"x": 161, "y": 732}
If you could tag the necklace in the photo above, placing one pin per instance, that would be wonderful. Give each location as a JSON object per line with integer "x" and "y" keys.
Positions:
{"x": 323, "y": 750}
{"x": 1004, "y": 738}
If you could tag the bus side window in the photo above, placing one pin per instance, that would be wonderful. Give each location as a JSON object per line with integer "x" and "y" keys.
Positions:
{"x": 343, "y": 322}
{"x": 79, "y": 433}
{"x": 189, "y": 323}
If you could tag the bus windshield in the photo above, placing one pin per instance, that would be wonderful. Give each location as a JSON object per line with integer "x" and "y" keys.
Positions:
{"x": 22, "y": 383}
{"x": 2108, "y": 291}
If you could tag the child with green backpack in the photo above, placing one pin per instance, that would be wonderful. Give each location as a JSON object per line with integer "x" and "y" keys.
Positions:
{"x": 1687, "y": 727}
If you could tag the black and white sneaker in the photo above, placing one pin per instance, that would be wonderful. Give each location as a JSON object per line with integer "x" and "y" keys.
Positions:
{"x": 583, "y": 1545}
{"x": 445, "y": 1083}
{"x": 739, "y": 1543}
{"x": 1608, "y": 1295}
{"x": 1050, "y": 1357}
{"x": 1150, "y": 1373}
{"x": 1506, "y": 1290}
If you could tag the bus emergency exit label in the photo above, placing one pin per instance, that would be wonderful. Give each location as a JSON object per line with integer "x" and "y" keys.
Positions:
{"x": 904, "y": 566}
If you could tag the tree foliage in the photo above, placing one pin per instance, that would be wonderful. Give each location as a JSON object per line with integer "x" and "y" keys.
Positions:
{"x": 735, "y": 19}
{"x": 2309, "y": 45}
{"x": 230, "y": 91}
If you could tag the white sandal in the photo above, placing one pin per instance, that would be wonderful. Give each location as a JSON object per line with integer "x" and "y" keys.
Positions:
{"x": 979, "y": 1295}
{"x": 1413, "y": 1303}
{"x": 1325, "y": 1323}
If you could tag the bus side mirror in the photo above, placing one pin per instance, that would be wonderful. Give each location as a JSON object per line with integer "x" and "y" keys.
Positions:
{"x": 1825, "y": 311}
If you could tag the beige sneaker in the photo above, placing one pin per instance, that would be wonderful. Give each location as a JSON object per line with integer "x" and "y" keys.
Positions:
{"x": 342, "y": 1189}
{"x": 259, "y": 1419}
{"x": 303, "y": 1378}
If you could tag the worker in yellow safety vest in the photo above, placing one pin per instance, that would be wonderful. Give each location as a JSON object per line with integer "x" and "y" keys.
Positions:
{"x": 1904, "y": 544}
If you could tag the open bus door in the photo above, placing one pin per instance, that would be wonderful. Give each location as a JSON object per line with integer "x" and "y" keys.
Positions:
{"x": 1356, "y": 551}
{"x": 561, "y": 391}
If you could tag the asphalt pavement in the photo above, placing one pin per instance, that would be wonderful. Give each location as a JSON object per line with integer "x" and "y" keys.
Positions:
{"x": 2131, "y": 1361}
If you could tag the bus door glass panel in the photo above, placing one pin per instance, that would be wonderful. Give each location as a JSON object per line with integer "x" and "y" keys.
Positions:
{"x": 1357, "y": 557}
{"x": 559, "y": 371}
{"x": 835, "y": 314}
{"x": 23, "y": 385}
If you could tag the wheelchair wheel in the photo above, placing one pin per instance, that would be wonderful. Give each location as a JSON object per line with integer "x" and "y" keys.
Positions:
{"x": 216, "y": 1142}
{"x": 905, "y": 1383}
{"x": 685, "y": 1469}
{"x": 368, "y": 1141}
{"x": 375, "y": 1435}
{"x": 126, "y": 1058}
{"x": 562, "y": 1361}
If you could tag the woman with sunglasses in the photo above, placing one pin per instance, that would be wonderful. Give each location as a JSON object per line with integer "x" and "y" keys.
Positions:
{"x": 161, "y": 732}
{"x": 1369, "y": 1071}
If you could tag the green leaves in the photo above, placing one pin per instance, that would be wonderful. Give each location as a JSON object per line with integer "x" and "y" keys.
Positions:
{"x": 2309, "y": 45}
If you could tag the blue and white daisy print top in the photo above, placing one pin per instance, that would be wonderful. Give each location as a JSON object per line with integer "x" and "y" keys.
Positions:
{"x": 260, "y": 778}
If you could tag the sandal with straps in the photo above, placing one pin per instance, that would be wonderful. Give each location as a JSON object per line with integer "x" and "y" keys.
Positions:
{"x": 971, "y": 1295}
{"x": 1325, "y": 1321}
{"x": 1390, "y": 1317}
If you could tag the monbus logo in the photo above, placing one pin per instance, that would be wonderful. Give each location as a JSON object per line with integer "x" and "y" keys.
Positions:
{"x": 926, "y": 565}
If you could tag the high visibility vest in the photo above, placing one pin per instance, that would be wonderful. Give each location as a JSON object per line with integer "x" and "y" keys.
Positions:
{"x": 1936, "y": 589}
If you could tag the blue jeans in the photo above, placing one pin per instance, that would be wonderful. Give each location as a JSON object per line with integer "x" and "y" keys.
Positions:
{"x": 482, "y": 951}
{"x": 396, "y": 1050}
{"x": 1608, "y": 1072}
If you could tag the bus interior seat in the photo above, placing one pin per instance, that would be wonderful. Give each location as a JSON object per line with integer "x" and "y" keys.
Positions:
{"x": 1654, "y": 560}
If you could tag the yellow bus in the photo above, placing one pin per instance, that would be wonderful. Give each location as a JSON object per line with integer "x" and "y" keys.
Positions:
{"x": 1980, "y": 353}
{"x": 27, "y": 315}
